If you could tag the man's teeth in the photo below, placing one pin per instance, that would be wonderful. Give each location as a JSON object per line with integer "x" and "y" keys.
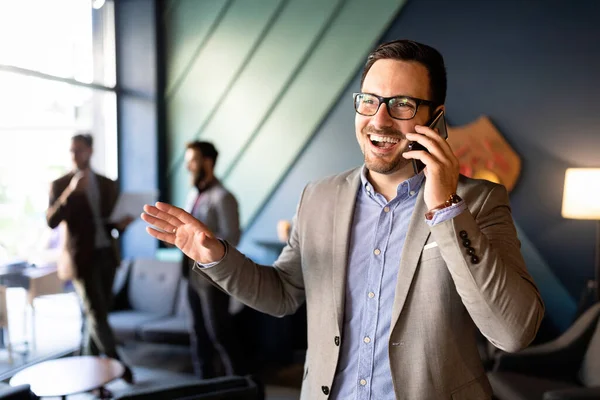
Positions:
{"x": 377, "y": 138}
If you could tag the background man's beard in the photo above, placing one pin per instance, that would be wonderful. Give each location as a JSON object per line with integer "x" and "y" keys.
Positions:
{"x": 199, "y": 177}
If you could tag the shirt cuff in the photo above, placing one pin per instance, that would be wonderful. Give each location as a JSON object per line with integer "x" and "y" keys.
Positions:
{"x": 213, "y": 264}
{"x": 447, "y": 213}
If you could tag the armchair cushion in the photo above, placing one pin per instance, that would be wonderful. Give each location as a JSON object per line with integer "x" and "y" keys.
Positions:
{"x": 125, "y": 323}
{"x": 174, "y": 330}
{"x": 153, "y": 286}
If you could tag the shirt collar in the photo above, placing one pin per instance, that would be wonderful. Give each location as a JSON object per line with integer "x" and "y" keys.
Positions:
{"x": 412, "y": 184}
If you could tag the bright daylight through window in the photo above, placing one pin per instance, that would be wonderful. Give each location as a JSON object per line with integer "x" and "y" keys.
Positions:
{"x": 57, "y": 77}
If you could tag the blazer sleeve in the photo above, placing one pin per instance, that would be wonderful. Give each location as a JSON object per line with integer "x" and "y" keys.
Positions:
{"x": 496, "y": 289}
{"x": 58, "y": 207}
{"x": 229, "y": 219}
{"x": 276, "y": 290}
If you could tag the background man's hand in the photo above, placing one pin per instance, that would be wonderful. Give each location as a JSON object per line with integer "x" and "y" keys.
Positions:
{"x": 79, "y": 182}
{"x": 177, "y": 227}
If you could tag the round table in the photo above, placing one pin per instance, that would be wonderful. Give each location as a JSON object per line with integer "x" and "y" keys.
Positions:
{"x": 69, "y": 375}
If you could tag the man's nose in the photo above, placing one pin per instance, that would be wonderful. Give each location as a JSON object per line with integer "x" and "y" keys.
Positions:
{"x": 382, "y": 117}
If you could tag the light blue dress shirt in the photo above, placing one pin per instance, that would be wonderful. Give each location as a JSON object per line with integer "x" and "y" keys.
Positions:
{"x": 378, "y": 233}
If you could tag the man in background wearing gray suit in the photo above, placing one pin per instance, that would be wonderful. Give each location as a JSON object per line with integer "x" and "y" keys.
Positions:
{"x": 398, "y": 270}
{"x": 208, "y": 201}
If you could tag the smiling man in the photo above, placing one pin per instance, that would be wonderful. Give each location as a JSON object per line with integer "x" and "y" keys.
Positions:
{"x": 398, "y": 270}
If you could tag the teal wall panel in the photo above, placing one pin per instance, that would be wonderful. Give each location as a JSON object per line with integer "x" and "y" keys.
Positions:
{"x": 188, "y": 25}
{"x": 210, "y": 76}
{"x": 256, "y": 78}
{"x": 268, "y": 74}
{"x": 334, "y": 62}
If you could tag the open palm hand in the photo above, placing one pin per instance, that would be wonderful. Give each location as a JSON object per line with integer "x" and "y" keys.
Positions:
{"x": 179, "y": 228}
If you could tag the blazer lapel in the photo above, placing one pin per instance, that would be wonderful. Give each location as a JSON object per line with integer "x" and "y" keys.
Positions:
{"x": 418, "y": 232}
{"x": 342, "y": 222}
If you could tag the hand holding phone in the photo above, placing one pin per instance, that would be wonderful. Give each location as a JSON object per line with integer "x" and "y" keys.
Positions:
{"x": 438, "y": 122}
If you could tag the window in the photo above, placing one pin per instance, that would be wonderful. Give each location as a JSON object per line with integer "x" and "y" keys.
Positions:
{"x": 57, "y": 74}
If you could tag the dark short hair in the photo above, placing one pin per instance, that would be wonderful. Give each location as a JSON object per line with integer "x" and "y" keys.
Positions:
{"x": 207, "y": 149}
{"x": 408, "y": 50}
{"x": 86, "y": 138}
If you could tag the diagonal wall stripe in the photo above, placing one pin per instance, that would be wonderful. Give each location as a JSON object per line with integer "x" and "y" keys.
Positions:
{"x": 216, "y": 67}
{"x": 170, "y": 5}
{"x": 308, "y": 101}
{"x": 189, "y": 27}
{"x": 289, "y": 46}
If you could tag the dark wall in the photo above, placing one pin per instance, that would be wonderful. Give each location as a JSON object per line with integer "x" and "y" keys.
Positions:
{"x": 532, "y": 67}
{"x": 137, "y": 83}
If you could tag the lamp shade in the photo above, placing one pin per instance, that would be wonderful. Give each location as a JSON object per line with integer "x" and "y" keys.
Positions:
{"x": 581, "y": 197}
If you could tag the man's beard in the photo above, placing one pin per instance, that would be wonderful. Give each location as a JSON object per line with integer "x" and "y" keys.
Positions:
{"x": 199, "y": 177}
{"x": 379, "y": 164}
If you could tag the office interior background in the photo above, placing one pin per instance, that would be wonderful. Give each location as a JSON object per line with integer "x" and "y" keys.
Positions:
{"x": 270, "y": 83}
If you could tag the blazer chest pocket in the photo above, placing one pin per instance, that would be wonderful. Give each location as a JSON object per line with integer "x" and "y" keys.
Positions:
{"x": 430, "y": 252}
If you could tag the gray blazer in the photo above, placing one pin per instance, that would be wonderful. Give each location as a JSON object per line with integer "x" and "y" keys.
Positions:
{"x": 441, "y": 298}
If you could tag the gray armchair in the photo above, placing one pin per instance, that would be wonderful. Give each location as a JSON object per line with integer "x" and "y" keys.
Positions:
{"x": 567, "y": 368}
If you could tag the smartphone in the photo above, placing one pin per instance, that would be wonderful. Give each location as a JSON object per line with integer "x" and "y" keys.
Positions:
{"x": 437, "y": 122}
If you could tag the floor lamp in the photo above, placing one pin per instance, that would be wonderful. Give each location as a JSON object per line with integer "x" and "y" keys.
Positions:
{"x": 581, "y": 200}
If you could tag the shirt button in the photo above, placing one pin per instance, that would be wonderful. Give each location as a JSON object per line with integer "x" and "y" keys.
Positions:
{"x": 371, "y": 295}
{"x": 386, "y": 209}
{"x": 368, "y": 188}
{"x": 363, "y": 382}
{"x": 367, "y": 339}
{"x": 412, "y": 192}
{"x": 377, "y": 252}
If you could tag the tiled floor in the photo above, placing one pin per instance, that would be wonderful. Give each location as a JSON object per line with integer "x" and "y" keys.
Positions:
{"x": 57, "y": 331}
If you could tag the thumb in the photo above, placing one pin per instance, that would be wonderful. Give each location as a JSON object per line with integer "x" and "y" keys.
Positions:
{"x": 213, "y": 245}
{"x": 208, "y": 241}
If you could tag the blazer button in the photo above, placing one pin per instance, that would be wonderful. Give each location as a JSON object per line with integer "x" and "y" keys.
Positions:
{"x": 325, "y": 390}
{"x": 336, "y": 340}
{"x": 466, "y": 243}
{"x": 463, "y": 234}
{"x": 474, "y": 259}
{"x": 470, "y": 251}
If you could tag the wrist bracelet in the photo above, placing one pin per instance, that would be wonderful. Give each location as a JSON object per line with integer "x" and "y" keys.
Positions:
{"x": 453, "y": 199}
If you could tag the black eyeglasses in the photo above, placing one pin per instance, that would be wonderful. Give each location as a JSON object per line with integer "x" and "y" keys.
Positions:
{"x": 398, "y": 107}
